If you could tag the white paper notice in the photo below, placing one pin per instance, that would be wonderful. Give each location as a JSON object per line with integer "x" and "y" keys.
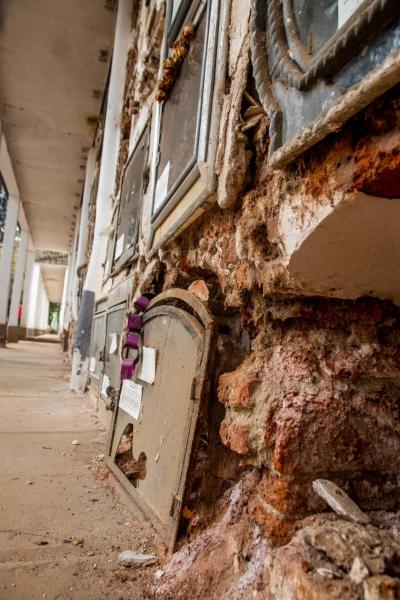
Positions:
{"x": 104, "y": 385}
{"x": 113, "y": 343}
{"x": 119, "y": 246}
{"x": 161, "y": 188}
{"x": 92, "y": 364}
{"x": 148, "y": 369}
{"x": 345, "y": 9}
{"x": 131, "y": 398}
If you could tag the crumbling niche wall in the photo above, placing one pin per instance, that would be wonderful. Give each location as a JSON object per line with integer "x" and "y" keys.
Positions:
{"x": 318, "y": 392}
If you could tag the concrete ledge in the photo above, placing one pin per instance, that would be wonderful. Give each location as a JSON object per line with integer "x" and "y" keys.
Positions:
{"x": 22, "y": 333}
{"x": 12, "y": 334}
{"x": 3, "y": 331}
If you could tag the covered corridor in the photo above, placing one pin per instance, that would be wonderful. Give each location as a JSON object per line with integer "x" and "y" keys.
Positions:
{"x": 62, "y": 524}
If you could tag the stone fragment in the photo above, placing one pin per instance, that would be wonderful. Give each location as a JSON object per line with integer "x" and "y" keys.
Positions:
{"x": 325, "y": 572}
{"x": 128, "y": 558}
{"x": 78, "y": 542}
{"x": 75, "y": 442}
{"x": 381, "y": 587}
{"x": 200, "y": 289}
{"x": 358, "y": 571}
{"x": 339, "y": 501}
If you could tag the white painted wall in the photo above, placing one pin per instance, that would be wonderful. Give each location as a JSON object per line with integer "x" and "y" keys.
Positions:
{"x": 104, "y": 201}
{"x": 111, "y": 141}
{"x": 29, "y": 268}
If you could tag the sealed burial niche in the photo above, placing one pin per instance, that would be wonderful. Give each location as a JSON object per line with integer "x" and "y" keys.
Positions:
{"x": 96, "y": 360}
{"x": 154, "y": 422}
{"x": 127, "y": 226}
{"x": 112, "y": 361}
{"x": 187, "y": 116}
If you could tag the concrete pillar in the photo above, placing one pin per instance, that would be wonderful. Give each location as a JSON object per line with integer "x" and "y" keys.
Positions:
{"x": 30, "y": 261}
{"x": 38, "y": 305}
{"x": 33, "y": 301}
{"x": 63, "y": 301}
{"x": 6, "y": 262}
{"x": 13, "y": 325}
{"x": 111, "y": 140}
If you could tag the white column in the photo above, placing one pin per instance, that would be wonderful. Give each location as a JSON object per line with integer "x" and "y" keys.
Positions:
{"x": 33, "y": 300}
{"x": 111, "y": 139}
{"x": 63, "y": 300}
{"x": 18, "y": 279}
{"x": 6, "y": 261}
{"x": 30, "y": 261}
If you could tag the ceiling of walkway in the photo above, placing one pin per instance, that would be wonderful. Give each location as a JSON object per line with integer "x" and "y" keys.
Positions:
{"x": 54, "y": 57}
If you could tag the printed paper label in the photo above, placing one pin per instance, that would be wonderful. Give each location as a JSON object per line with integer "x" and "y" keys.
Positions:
{"x": 113, "y": 343}
{"x": 104, "y": 385}
{"x": 345, "y": 9}
{"x": 119, "y": 246}
{"x": 131, "y": 398}
{"x": 148, "y": 368}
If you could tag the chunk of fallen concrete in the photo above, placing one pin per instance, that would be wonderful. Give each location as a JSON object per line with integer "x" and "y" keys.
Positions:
{"x": 127, "y": 558}
{"x": 339, "y": 501}
{"x": 358, "y": 571}
{"x": 199, "y": 288}
{"x": 158, "y": 574}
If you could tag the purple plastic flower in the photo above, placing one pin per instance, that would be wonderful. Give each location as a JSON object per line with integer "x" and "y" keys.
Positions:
{"x": 132, "y": 340}
{"x": 134, "y": 322}
{"x": 142, "y": 303}
{"x": 127, "y": 368}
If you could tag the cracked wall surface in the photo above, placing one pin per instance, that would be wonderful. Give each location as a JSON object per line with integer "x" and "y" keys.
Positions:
{"x": 308, "y": 383}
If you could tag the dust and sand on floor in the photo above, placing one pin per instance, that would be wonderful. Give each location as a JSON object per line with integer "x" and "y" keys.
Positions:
{"x": 62, "y": 520}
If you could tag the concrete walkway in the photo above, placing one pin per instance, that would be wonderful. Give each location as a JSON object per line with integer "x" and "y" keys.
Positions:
{"x": 62, "y": 523}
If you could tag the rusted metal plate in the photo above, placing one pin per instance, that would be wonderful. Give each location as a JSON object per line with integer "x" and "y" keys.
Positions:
{"x": 152, "y": 459}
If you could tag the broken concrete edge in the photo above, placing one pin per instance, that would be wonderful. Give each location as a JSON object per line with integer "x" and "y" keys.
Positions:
{"x": 339, "y": 501}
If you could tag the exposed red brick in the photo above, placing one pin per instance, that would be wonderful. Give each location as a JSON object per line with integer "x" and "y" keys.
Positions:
{"x": 332, "y": 432}
{"x": 236, "y": 388}
{"x": 277, "y": 530}
{"x": 236, "y": 437}
{"x": 288, "y": 496}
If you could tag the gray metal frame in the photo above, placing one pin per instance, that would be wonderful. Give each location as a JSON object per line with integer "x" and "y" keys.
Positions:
{"x": 325, "y": 89}
{"x": 164, "y": 304}
{"x": 201, "y": 165}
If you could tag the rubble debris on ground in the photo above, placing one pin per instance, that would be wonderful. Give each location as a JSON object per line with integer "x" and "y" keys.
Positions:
{"x": 129, "y": 558}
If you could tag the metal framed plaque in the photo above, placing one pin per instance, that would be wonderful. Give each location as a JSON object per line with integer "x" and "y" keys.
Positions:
{"x": 318, "y": 62}
{"x": 187, "y": 121}
{"x": 127, "y": 226}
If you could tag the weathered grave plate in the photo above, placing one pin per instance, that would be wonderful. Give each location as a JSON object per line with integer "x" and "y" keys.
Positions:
{"x": 180, "y": 329}
{"x": 318, "y": 62}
